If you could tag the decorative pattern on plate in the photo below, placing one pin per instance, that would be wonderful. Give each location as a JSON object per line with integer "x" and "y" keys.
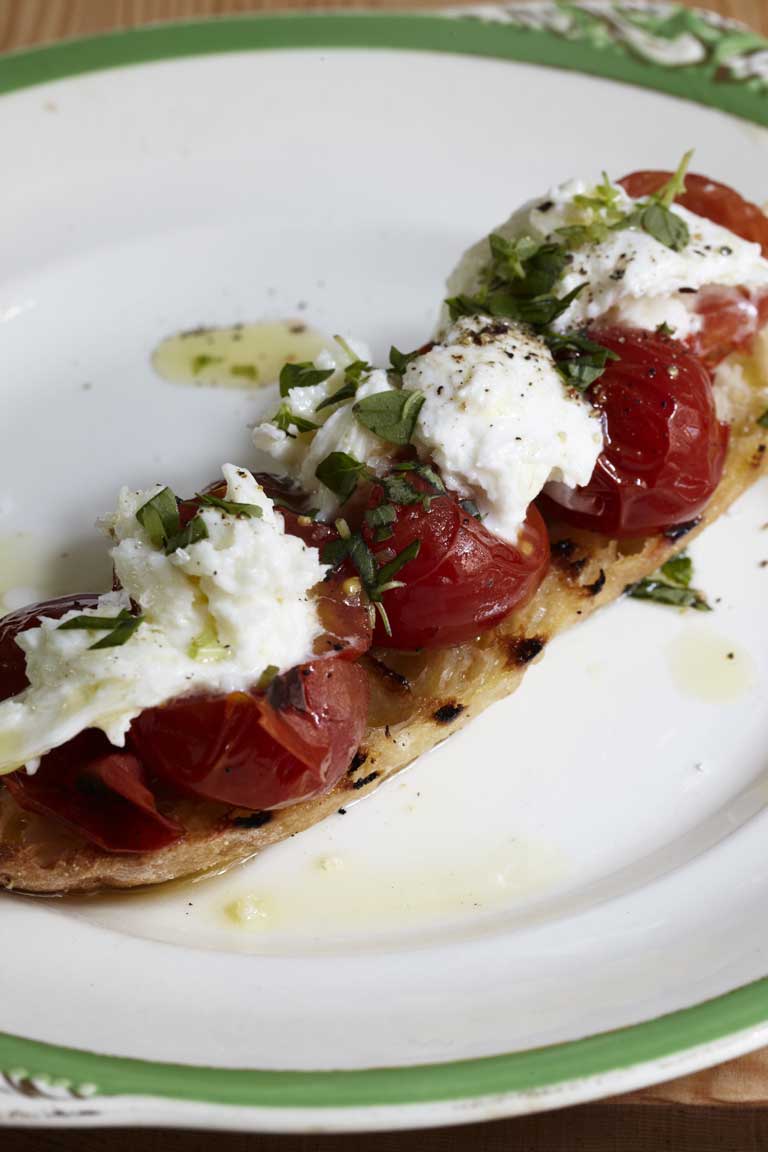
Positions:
{"x": 659, "y": 33}
{"x": 20, "y": 1082}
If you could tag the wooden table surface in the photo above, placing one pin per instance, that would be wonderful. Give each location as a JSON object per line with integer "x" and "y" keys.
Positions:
{"x": 722, "y": 1110}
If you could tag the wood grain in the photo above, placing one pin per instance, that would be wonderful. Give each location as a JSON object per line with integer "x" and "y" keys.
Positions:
{"x": 25, "y": 22}
{"x": 713, "y": 1111}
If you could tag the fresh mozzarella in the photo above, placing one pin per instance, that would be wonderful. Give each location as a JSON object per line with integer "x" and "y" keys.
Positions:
{"x": 339, "y": 431}
{"x": 216, "y": 615}
{"x": 630, "y": 278}
{"x": 499, "y": 420}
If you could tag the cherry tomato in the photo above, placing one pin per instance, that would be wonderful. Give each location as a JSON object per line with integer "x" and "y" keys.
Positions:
{"x": 464, "y": 579}
{"x": 664, "y": 447}
{"x": 705, "y": 197}
{"x": 260, "y": 750}
{"x": 101, "y": 792}
{"x": 731, "y": 317}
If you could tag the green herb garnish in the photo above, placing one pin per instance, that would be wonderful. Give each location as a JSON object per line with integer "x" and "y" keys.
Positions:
{"x": 390, "y": 415}
{"x": 303, "y": 375}
{"x": 284, "y": 419}
{"x": 267, "y": 677}
{"x": 399, "y": 361}
{"x": 159, "y": 517}
{"x": 192, "y": 533}
{"x": 118, "y": 628}
{"x": 581, "y": 361}
{"x": 763, "y": 420}
{"x": 671, "y": 585}
{"x": 233, "y": 507}
{"x": 341, "y": 473}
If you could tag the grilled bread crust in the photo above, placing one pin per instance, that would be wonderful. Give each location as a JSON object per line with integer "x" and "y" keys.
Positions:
{"x": 417, "y": 700}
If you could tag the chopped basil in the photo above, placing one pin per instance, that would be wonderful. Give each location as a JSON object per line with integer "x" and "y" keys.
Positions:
{"x": 763, "y": 420}
{"x": 580, "y": 360}
{"x": 400, "y": 360}
{"x": 400, "y": 490}
{"x": 671, "y": 585}
{"x": 381, "y": 516}
{"x": 538, "y": 311}
{"x": 387, "y": 571}
{"x": 303, "y": 375}
{"x": 118, "y": 628}
{"x": 234, "y": 508}
{"x": 341, "y": 473}
{"x": 390, "y": 415}
{"x": 284, "y": 419}
{"x": 193, "y": 533}
{"x": 664, "y": 329}
{"x": 159, "y": 517}
{"x": 511, "y": 256}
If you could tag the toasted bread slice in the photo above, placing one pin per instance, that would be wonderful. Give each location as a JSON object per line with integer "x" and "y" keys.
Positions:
{"x": 417, "y": 700}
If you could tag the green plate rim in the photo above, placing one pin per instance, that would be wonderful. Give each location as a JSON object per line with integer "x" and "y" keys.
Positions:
{"x": 32, "y": 1069}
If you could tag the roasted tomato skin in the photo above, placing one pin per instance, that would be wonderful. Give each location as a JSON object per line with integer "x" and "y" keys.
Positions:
{"x": 464, "y": 580}
{"x": 717, "y": 202}
{"x": 664, "y": 446}
{"x": 730, "y": 317}
{"x": 260, "y": 750}
{"x": 99, "y": 791}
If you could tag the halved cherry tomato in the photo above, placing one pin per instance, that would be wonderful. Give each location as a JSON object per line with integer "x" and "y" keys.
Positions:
{"x": 664, "y": 446}
{"x": 255, "y": 749}
{"x": 100, "y": 791}
{"x": 464, "y": 580}
{"x": 708, "y": 198}
{"x": 731, "y": 317}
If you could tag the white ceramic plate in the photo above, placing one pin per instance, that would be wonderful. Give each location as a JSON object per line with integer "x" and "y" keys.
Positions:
{"x": 589, "y": 856}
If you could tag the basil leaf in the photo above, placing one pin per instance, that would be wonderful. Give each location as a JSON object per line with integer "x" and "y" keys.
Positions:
{"x": 470, "y": 508}
{"x": 459, "y": 306}
{"x": 665, "y": 226}
{"x": 670, "y": 594}
{"x": 539, "y": 311}
{"x": 193, "y": 533}
{"x": 401, "y": 360}
{"x": 763, "y": 420}
{"x": 346, "y": 392}
{"x": 245, "y": 371}
{"x": 159, "y": 517}
{"x": 252, "y": 511}
{"x": 341, "y": 473}
{"x": 284, "y": 419}
{"x": 381, "y": 516}
{"x": 334, "y": 552}
{"x": 387, "y": 571}
{"x": 678, "y": 570}
{"x": 302, "y": 375}
{"x": 390, "y": 415}
{"x": 362, "y": 558}
{"x": 267, "y": 677}
{"x": 118, "y": 628}
{"x": 540, "y": 272}
{"x": 580, "y": 360}
{"x": 510, "y": 256}
{"x": 400, "y": 490}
